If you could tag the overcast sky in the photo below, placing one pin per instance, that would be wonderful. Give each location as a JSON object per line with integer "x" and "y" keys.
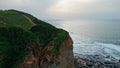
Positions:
{"x": 66, "y": 9}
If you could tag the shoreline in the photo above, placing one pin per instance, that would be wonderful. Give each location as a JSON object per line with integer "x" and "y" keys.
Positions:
{"x": 94, "y": 54}
{"x": 95, "y": 61}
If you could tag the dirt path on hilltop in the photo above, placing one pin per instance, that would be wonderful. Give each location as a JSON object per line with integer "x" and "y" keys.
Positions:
{"x": 32, "y": 23}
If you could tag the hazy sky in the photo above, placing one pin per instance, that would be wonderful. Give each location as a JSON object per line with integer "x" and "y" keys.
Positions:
{"x": 69, "y": 9}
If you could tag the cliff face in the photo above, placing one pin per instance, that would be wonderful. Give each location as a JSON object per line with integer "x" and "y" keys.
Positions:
{"x": 66, "y": 58}
{"x": 42, "y": 58}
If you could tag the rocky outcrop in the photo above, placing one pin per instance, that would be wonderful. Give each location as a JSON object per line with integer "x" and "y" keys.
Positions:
{"x": 66, "y": 58}
{"x": 40, "y": 57}
{"x": 96, "y": 61}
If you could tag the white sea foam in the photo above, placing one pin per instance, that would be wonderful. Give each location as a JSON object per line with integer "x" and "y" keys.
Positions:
{"x": 94, "y": 48}
{"x": 112, "y": 49}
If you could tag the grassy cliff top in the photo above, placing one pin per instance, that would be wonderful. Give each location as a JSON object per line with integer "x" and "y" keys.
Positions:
{"x": 18, "y": 30}
{"x": 10, "y": 18}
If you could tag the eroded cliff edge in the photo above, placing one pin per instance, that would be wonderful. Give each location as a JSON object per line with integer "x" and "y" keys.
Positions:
{"x": 43, "y": 58}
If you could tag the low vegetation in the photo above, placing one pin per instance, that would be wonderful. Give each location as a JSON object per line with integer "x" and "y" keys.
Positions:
{"x": 14, "y": 42}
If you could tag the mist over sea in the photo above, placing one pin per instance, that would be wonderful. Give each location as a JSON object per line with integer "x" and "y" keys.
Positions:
{"x": 92, "y": 37}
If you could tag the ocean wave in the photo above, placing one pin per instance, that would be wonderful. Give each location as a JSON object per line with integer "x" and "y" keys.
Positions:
{"x": 112, "y": 49}
{"x": 94, "y": 48}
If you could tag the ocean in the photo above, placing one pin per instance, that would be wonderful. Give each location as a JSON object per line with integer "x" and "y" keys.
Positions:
{"x": 92, "y": 37}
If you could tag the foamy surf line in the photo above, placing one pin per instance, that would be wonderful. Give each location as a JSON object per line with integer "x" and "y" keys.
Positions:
{"x": 94, "y": 48}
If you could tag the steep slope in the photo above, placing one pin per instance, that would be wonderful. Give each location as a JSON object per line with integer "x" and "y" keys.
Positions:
{"x": 26, "y": 42}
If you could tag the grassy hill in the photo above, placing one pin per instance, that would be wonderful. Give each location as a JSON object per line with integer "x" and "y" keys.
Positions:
{"x": 10, "y": 18}
{"x": 18, "y": 30}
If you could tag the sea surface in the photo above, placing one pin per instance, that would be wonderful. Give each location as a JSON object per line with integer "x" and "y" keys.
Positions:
{"x": 93, "y": 37}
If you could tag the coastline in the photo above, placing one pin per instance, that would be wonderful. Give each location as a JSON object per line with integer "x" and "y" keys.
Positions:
{"x": 87, "y": 47}
{"x": 94, "y": 55}
{"x": 95, "y": 61}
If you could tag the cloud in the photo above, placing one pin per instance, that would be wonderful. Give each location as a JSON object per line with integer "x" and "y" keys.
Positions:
{"x": 65, "y": 8}
{"x": 37, "y": 8}
{"x": 70, "y": 6}
{"x": 88, "y": 8}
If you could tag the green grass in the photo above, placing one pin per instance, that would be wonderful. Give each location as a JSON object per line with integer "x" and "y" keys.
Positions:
{"x": 11, "y": 18}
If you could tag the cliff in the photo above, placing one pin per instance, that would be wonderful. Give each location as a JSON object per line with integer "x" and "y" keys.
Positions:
{"x": 43, "y": 58}
{"x": 26, "y": 42}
